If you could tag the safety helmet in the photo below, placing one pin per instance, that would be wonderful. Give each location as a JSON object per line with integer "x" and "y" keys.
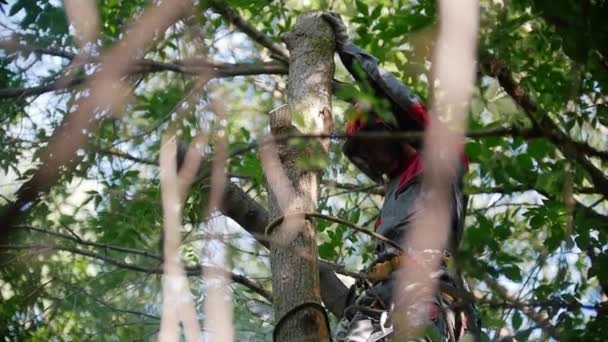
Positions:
{"x": 359, "y": 122}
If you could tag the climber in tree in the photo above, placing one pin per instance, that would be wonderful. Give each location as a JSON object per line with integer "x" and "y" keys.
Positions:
{"x": 399, "y": 165}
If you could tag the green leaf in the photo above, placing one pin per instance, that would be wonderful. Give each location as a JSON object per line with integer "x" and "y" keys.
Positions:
{"x": 17, "y": 6}
{"x": 506, "y": 105}
{"x": 473, "y": 149}
{"x": 54, "y": 18}
{"x": 327, "y": 251}
{"x": 376, "y": 13}
{"x": 523, "y": 335}
{"x": 362, "y": 7}
{"x": 537, "y": 221}
{"x": 513, "y": 273}
{"x": 516, "y": 320}
{"x": 433, "y": 334}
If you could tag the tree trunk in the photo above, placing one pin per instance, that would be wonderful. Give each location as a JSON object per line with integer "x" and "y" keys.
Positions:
{"x": 253, "y": 217}
{"x": 295, "y": 271}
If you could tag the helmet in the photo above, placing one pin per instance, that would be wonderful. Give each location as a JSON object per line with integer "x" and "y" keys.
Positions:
{"x": 363, "y": 122}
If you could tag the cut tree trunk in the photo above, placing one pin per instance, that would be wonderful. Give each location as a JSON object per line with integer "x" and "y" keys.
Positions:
{"x": 295, "y": 270}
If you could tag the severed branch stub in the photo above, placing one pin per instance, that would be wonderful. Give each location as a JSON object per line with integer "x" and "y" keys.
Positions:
{"x": 293, "y": 189}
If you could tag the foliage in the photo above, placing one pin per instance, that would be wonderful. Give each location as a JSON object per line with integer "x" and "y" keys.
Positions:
{"x": 534, "y": 249}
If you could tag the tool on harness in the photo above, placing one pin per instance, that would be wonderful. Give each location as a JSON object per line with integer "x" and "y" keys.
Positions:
{"x": 381, "y": 269}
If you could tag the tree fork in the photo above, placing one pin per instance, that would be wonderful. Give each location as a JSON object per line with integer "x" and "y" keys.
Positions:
{"x": 295, "y": 271}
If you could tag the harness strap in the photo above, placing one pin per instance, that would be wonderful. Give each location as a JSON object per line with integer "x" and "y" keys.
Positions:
{"x": 294, "y": 310}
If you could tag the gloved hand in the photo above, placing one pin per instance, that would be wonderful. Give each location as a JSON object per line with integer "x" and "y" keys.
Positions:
{"x": 335, "y": 20}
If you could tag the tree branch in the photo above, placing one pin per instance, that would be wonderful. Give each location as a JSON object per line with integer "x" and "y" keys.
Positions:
{"x": 8, "y": 93}
{"x": 404, "y": 136}
{"x": 13, "y": 45}
{"x": 509, "y": 189}
{"x": 543, "y": 323}
{"x": 372, "y": 234}
{"x": 506, "y": 189}
{"x": 190, "y": 271}
{"x": 124, "y": 155}
{"x": 542, "y": 122}
{"x": 93, "y": 244}
{"x": 148, "y": 66}
{"x": 108, "y": 305}
{"x": 278, "y": 51}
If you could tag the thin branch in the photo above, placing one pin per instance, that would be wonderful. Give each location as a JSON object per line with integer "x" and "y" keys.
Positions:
{"x": 92, "y": 244}
{"x": 510, "y": 189}
{"x": 109, "y": 306}
{"x": 124, "y": 155}
{"x": 12, "y": 46}
{"x": 479, "y": 134}
{"x": 237, "y": 278}
{"x": 472, "y": 190}
{"x": 543, "y": 323}
{"x": 589, "y": 150}
{"x": 147, "y": 66}
{"x": 41, "y": 248}
{"x": 7, "y": 93}
{"x": 192, "y": 66}
{"x": 465, "y": 297}
{"x": 232, "y": 16}
{"x": 370, "y": 233}
{"x": 412, "y": 136}
{"x": 192, "y": 271}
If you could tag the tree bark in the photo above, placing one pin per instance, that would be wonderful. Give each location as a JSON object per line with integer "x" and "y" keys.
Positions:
{"x": 295, "y": 270}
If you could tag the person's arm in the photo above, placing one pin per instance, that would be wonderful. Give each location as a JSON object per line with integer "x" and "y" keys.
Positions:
{"x": 409, "y": 112}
